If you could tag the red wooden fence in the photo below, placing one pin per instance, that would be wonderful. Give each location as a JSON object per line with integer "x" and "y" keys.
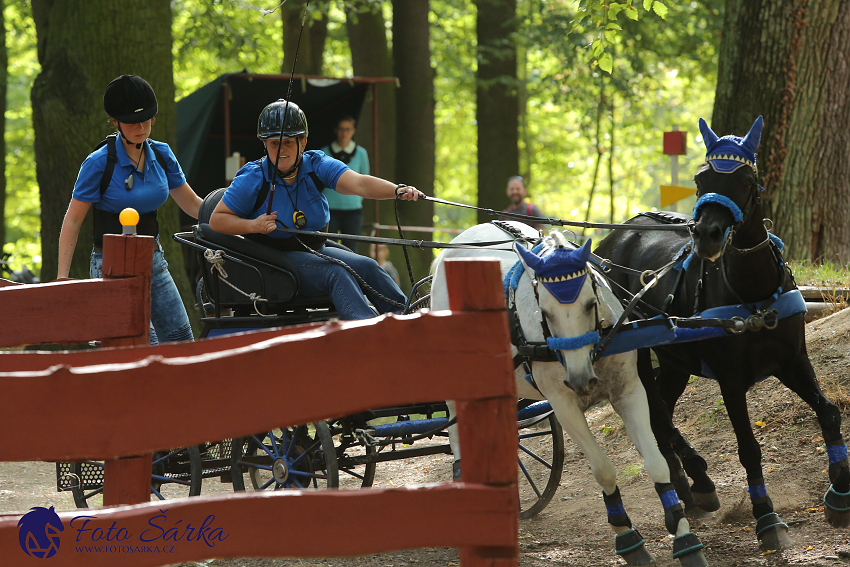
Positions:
{"x": 131, "y": 401}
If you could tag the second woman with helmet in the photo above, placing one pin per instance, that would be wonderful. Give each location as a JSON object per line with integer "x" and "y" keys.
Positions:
{"x": 285, "y": 187}
{"x": 130, "y": 170}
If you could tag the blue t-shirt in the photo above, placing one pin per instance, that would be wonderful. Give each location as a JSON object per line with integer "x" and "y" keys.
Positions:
{"x": 150, "y": 188}
{"x": 241, "y": 196}
{"x": 360, "y": 164}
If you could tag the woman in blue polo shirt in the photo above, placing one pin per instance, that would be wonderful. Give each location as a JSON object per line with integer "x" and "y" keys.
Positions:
{"x": 144, "y": 175}
{"x": 298, "y": 202}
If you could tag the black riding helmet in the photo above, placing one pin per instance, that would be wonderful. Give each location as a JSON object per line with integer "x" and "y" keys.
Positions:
{"x": 129, "y": 99}
{"x": 284, "y": 117}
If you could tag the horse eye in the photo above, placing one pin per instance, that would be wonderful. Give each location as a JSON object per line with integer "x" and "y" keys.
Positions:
{"x": 591, "y": 304}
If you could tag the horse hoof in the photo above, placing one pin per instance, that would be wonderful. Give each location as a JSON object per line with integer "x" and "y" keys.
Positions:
{"x": 695, "y": 559}
{"x": 629, "y": 546}
{"x": 687, "y": 548}
{"x": 837, "y": 508}
{"x": 837, "y": 519}
{"x": 639, "y": 557}
{"x": 707, "y": 501}
{"x": 772, "y": 532}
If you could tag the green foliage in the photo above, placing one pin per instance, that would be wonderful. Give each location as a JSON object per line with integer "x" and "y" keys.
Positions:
{"x": 599, "y": 18}
{"x": 212, "y": 38}
{"x": 664, "y": 74}
{"x": 216, "y": 37}
{"x": 453, "y": 59}
{"x": 661, "y": 73}
{"x": 22, "y": 200}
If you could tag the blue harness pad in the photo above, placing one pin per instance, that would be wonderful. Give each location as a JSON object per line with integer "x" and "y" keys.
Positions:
{"x": 787, "y": 304}
{"x": 633, "y": 337}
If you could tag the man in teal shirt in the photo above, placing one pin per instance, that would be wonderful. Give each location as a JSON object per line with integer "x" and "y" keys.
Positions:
{"x": 346, "y": 210}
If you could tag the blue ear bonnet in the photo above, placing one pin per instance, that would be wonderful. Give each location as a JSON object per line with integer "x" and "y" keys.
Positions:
{"x": 728, "y": 153}
{"x": 562, "y": 271}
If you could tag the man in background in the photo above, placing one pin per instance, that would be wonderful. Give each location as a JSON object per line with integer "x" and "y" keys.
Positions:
{"x": 517, "y": 193}
{"x": 346, "y": 210}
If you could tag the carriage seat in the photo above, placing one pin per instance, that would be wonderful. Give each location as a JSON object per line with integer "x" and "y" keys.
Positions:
{"x": 259, "y": 269}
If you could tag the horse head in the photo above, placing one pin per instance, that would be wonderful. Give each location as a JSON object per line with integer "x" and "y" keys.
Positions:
{"x": 727, "y": 189}
{"x": 568, "y": 303}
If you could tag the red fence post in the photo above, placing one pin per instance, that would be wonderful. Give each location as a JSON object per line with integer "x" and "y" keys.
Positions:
{"x": 128, "y": 480}
{"x": 487, "y": 427}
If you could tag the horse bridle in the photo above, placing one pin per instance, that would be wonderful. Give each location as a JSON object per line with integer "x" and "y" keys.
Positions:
{"x": 732, "y": 207}
{"x": 544, "y": 351}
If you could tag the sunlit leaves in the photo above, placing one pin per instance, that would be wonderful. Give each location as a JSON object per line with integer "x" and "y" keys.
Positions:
{"x": 22, "y": 209}
{"x": 606, "y": 63}
{"x": 601, "y": 17}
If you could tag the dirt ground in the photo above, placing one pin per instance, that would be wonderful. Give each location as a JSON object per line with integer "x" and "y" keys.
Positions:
{"x": 572, "y": 530}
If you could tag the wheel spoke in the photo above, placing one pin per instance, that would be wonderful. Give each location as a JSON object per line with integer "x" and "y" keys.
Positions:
{"x": 266, "y": 485}
{"x": 168, "y": 456}
{"x": 170, "y": 480}
{"x": 306, "y": 452}
{"x": 535, "y": 434}
{"x": 264, "y": 447}
{"x": 157, "y": 492}
{"x": 534, "y": 456}
{"x": 322, "y": 476}
{"x": 94, "y": 492}
{"x": 528, "y": 477}
{"x": 275, "y": 445}
{"x": 290, "y": 436}
{"x": 352, "y": 473}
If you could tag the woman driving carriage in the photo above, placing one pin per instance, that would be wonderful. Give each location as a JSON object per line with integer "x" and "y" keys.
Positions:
{"x": 138, "y": 173}
{"x": 300, "y": 178}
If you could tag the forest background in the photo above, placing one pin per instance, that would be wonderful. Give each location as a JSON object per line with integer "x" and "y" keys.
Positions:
{"x": 579, "y": 126}
{"x": 573, "y": 95}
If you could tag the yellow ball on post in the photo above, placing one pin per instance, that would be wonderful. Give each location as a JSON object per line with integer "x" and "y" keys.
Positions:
{"x": 129, "y": 218}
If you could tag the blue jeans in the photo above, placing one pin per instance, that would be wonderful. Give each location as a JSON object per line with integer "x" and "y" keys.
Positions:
{"x": 169, "y": 321}
{"x": 317, "y": 276}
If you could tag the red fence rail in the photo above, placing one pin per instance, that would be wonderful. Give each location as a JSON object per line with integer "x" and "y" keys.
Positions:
{"x": 213, "y": 387}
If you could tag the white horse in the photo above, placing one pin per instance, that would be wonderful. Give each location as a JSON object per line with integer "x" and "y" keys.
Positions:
{"x": 556, "y": 284}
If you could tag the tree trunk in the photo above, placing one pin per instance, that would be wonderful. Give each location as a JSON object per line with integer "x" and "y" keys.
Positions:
{"x": 415, "y": 135}
{"x": 4, "y": 64}
{"x": 370, "y": 57}
{"x": 82, "y": 45}
{"x": 312, "y": 45}
{"x": 786, "y": 60}
{"x": 497, "y": 110}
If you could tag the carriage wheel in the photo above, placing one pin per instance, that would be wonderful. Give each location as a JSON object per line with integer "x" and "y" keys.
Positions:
{"x": 175, "y": 474}
{"x": 364, "y": 474}
{"x": 541, "y": 462}
{"x": 295, "y": 457}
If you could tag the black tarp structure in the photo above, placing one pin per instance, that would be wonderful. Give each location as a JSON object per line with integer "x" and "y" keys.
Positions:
{"x": 220, "y": 118}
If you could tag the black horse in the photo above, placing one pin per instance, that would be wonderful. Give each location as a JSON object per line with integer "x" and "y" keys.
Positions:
{"x": 727, "y": 259}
